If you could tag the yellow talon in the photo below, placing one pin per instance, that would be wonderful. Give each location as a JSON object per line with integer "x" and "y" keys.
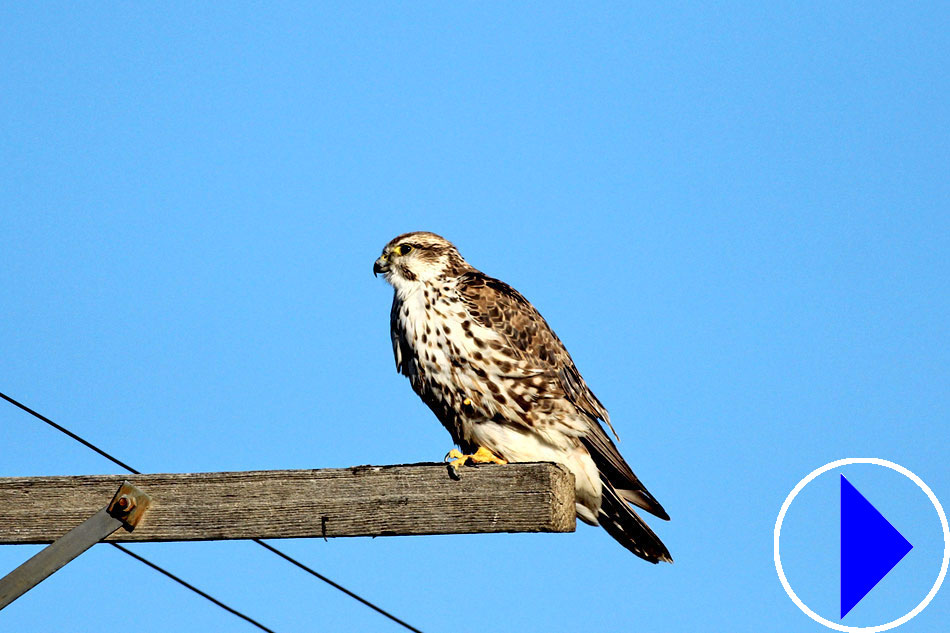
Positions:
{"x": 457, "y": 459}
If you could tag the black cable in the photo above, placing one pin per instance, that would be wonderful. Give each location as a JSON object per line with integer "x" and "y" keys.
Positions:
{"x": 42, "y": 417}
{"x": 333, "y": 584}
{"x": 286, "y": 557}
{"x": 192, "y": 587}
{"x": 201, "y": 593}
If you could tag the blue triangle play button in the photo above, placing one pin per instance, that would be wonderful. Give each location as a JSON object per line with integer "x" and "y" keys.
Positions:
{"x": 870, "y": 546}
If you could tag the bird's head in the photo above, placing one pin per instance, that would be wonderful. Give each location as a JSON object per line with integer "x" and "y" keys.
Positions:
{"x": 418, "y": 258}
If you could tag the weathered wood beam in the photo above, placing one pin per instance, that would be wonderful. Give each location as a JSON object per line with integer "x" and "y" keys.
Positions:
{"x": 360, "y": 501}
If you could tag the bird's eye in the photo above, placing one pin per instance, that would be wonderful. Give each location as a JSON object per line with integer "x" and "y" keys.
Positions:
{"x": 403, "y": 249}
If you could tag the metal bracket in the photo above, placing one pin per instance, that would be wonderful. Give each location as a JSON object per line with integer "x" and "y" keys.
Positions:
{"x": 125, "y": 510}
{"x": 128, "y": 505}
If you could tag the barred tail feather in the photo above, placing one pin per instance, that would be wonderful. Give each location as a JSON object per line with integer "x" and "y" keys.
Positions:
{"x": 628, "y": 529}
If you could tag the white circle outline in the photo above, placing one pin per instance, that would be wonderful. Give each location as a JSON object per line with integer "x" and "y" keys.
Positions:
{"x": 946, "y": 548}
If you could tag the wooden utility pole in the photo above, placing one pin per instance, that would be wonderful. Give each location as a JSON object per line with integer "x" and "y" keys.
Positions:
{"x": 360, "y": 501}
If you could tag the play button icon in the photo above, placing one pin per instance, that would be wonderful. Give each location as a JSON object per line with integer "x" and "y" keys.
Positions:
{"x": 870, "y": 546}
{"x": 867, "y": 546}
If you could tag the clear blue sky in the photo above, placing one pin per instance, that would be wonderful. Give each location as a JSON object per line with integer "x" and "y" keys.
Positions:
{"x": 735, "y": 216}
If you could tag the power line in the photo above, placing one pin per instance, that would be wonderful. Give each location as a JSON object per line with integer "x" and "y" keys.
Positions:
{"x": 124, "y": 550}
{"x": 61, "y": 429}
{"x": 268, "y": 547}
{"x": 192, "y": 587}
{"x": 333, "y": 584}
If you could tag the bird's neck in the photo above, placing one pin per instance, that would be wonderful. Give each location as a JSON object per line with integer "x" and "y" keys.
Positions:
{"x": 409, "y": 291}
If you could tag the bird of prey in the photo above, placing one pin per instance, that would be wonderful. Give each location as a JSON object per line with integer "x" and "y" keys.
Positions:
{"x": 502, "y": 383}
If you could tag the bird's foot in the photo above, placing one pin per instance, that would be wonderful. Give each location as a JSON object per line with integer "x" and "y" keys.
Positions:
{"x": 457, "y": 459}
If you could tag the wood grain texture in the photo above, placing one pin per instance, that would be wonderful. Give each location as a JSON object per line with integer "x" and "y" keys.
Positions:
{"x": 409, "y": 499}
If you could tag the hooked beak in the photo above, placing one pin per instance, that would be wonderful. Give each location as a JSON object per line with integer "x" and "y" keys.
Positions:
{"x": 380, "y": 265}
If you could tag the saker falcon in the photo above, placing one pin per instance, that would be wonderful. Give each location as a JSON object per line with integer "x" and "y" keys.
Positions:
{"x": 502, "y": 383}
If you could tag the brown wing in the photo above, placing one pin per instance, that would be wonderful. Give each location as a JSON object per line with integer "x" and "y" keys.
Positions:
{"x": 402, "y": 350}
{"x": 496, "y": 305}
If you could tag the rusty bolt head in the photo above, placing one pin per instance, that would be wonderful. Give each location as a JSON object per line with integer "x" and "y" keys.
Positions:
{"x": 125, "y": 503}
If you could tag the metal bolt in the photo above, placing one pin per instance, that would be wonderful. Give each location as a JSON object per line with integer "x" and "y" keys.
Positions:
{"x": 125, "y": 503}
